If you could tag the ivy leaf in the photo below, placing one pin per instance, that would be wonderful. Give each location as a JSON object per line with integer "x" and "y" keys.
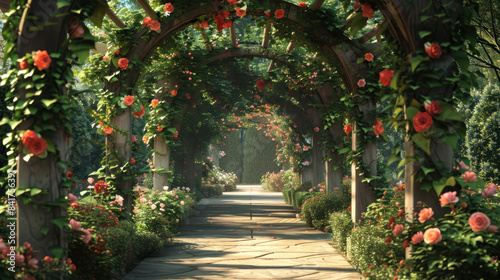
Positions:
{"x": 427, "y": 170}
{"x": 422, "y": 142}
{"x": 451, "y": 140}
{"x": 48, "y": 102}
{"x": 439, "y": 185}
{"x": 415, "y": 61}
{"x": 45, "y": 230}
{"x": 35, "y": 191}
{"x": 424, "y": 33}
{"x": 57, "y": 251}
{"x": 60, "y": 222}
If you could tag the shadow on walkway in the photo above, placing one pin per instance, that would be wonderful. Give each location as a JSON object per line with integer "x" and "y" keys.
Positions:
{"x": 246, "y": 234}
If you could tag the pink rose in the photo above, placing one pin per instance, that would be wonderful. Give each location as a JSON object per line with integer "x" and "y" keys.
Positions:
{"x": 143, "y": 200}
{"x": 361, "y": 83}
{"x": 72, "y": 198}
{"x": 432, "y": 236}
{"x": 75, "y": 224}
{"x": 135, "y": 211}
{"x": 447, "y": 198}
{"x": 469, "y": 176}
{"x": 463, "y": 166}
{"x": 479, "y": 221}
{"x": 119, "y": 199}
{"x": 153, "y": 206}
{"x": 316, "y": 129}
{"x": 19, "y": 259}
{"x": 417, "y": 238}
{"x": 86, "y": 236}
{"x": 493, "y": 229}
{"x": 425, "y": 214}
{"x": 90, "y": 180}
{"x": 182, "y": 202}
{"x": 489, "y": 191}
{"x": 398, "y": 229}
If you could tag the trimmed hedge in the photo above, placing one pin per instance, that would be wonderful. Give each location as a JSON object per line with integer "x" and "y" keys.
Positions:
{"x": 341, "y": 225}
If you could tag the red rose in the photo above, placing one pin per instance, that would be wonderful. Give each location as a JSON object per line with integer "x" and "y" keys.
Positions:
{"x": 204, "y": 24}
{"x": 101, "y": 187}
{"x": 108, "y": 130}
{"x": 154, "y": 102}
{"x": 188, "y": 96}
{"x": 226, "y": 14}
{"x": 279, "y": 13}
{"x": 132, "y": 161}
{"x": 146, "y": 21}
{"x": 105, "y": 58}
{"x": 434, "y": 108}
{"x": 347, "y": 129}
{"x": 123, "y": 63}
{"x": 129, "y": 99}
{"x": 168, "y": 8}
{"x": 42, "y": 60}
{"x": 33, "y": 143}
{"x": 232, "y": 2}
{"x": 433, "y": 50}
{"x": 269, "y": 85}
{"x": 241, "y": 13}
{"x": 173, "y": 92}
{"x": 261, "y": 85}
{"x": 160, "y": 128}
{"x": 367, "y": 10}
{"x": 356, "y": 5}
{"x": 69, "y": 174}
{"x": 154, "y": 25}
{"x": 227, "y": 24}
{"x": 23, "y": 65}
{"x": 406, "y": 244}
{"x": 140, "y": 113}
{"x": 386, "y": 77}
{"x": 368, "y": 56}
{"x": 268, "y": 14}
{"x": 422, "y": 121}
{"x": 303, "y": 5}
{"x": 379, "y": 129}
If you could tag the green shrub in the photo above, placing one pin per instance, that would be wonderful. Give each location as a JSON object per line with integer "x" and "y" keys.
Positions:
{"x": 299, "y": 197}
{"x": 316, "y": 210}
{"x": 145, "y": 243}
{"x": 367, "y": 247}
{"x": 285, "y": 179}
{"x": 341, "y": 225}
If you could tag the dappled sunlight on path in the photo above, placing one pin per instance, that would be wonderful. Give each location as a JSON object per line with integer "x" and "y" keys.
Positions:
{"x": 246, "y": 234}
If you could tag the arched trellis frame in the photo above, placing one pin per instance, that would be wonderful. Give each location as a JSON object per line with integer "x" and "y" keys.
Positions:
{"x": 405, "y": 25}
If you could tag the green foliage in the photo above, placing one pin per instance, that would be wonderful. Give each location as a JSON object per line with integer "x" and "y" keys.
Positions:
{"x": 278, "y": 182}
{"x": 483, "y": 134}
{"x": 341, "y": 225}
{"x": 316, "y": 210}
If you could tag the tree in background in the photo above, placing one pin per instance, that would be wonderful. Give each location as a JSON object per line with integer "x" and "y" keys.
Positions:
{"x": 483, "y": 134}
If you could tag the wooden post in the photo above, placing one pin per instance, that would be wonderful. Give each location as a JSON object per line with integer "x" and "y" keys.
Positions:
{"x": 161, "y": 159}
{"x": 118, "y": 152}
{"x": 362, "y": 195}
{"x": 318, "y": 166}
{"x": 44, "y": 174}
{"x": 198, "y": 167}
{"x": 334, "y": 176}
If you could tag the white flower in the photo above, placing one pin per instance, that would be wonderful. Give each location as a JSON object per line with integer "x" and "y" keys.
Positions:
{"x": 167, "y": 14}
{"x": 165, "y": 188}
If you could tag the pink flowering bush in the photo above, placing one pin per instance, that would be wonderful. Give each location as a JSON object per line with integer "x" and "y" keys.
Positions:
{"x": 277, "y": 182}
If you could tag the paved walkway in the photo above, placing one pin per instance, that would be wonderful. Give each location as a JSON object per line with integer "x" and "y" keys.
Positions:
{"x": 246, "y": 234}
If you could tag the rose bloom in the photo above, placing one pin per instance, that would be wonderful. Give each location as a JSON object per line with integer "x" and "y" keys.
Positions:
{"x": 434, "y": 108}
{"x": 479, "y": 221}
{"x": 173, "y": 92}
{"x": 42, "y": 60}
{"x": 168, "y": 8}
{"x": 368, "y": 56}
{"x": 398, "y": 229}
{"x": 145, "y": 139}
{"x": 347, "y": 129}
{"x": 268, "y": 14}
{"x": 303, "y": 5}
{"x": 129, "y": 99}
{"x": 188, "y": 96}
{"x": 75, "y": 224}
{"x": 153, "y": 206}
{"x": 422, "y": 121}
{"x": 469, "y": 176}
{"x": 23, "y": 65}
{"x": 143, "y": 200}
{"x": 316, "y": 129}
{"x": 108, "y": 130}
{"x": 433, "y": 50}
{"x": 33, "y": 143}
{"x": 134, "y": 138}
{"x": 160, "y": 128}
{"x": 146, "y": 21}
{"x": 448, "y": 197}
{"x": 432, "y": 236}
{"x": 463, "y": 166}
{"x": 154, "y": 102}
{"x": 123, "y": 63}
{"x": 105, "y": 58}
{"x": 493, "y": 229}
{"x": 86, "y": 236}
{"x": 261, "y": 85}
{"x": 425, "y": 214}
{"x": 132, "y": 161}
{"x": 361, "y": 83}
{"x": 232, "y": 2}
{"x": 241, "y": 12}
{"x": 119, "y": 199}
{"x": 69, "y": 174}
{"x": 368, "y": 12}
{"x": 386, "y": 77}
{"x": 379, "y": 129}
{"x": 279, "y": 13}
{"x": 140, "y": 113}
{"x": 204, "y": 24}
{"x": 489, "y": 191}
{"x": 72, "y": 198}
{"x": 154, "y": 25}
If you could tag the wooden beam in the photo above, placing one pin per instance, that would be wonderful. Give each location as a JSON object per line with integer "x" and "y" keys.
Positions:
{"x": 112, "y": 16}
{"x": 267, "y": 30}
{"x": 233, "y": 36}
{"x": 317, "y": 4}
{"x": 208, "y": 45}
{"x": 372, "y": 33}
{"x": 149, "y": 11}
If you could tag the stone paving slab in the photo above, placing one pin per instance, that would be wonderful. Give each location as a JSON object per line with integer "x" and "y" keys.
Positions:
{"x": 246, "y": 234}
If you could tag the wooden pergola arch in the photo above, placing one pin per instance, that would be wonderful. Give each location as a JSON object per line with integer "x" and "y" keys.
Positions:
{"x": 404, "y": 24}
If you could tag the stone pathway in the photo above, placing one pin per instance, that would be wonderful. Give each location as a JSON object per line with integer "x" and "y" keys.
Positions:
{"x": 246, "y": 234}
